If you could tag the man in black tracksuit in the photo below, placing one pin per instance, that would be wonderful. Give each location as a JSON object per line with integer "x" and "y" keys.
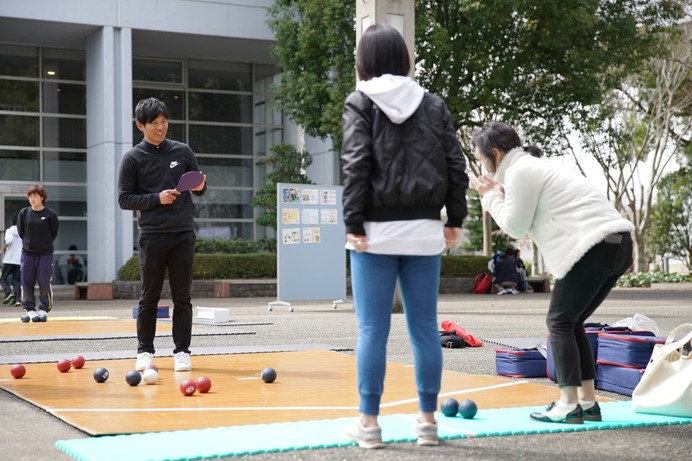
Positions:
{"x": 148, "y": 176}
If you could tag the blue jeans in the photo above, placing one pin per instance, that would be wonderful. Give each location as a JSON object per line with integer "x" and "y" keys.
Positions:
{"x": 374, "y": 279}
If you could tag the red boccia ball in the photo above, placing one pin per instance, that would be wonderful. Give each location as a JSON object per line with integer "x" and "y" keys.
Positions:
{"x": 188, "y": 387}
{"x": 18, "y": 371}
{"x": 78, "y": 362}
{"x": 64, "y": 365}
{"x": 203, "y": 384}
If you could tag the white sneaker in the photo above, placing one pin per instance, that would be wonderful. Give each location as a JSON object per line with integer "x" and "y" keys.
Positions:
{"x": 514, "y": 291}
{"x": 504, "y": 291}
{"x": 426, "y": 433}
{"x": 144, "y": 361}
{"x": 182, "y": 362}
{"x": 365, "y": 437}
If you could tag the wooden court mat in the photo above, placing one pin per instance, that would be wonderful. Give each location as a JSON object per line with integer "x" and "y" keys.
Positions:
{"x": 72, "y": 327}
{"x": 311, "y": 385}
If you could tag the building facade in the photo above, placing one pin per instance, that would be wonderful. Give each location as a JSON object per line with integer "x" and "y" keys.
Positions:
{"x": 70, "y": 75}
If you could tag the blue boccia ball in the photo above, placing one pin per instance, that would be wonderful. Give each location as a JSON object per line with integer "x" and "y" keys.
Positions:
{"x": 100, "y": 375}
{"x": 468, "y": 409}
{"x": 449, "y": 407}
{"x": 26, "y": 319}
{"x": 268, "y": 375}
{"x": 42, "y": 317}
{"x": 133, "y": 377}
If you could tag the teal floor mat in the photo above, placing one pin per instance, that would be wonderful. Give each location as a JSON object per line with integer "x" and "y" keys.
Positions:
{"x": 303, "y": 435}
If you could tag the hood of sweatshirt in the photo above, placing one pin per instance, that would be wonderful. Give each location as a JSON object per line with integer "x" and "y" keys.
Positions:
{"x": 396, "y": 95}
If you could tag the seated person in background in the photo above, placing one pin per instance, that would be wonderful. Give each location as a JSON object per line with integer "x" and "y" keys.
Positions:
{"x": 72, "y": 269}
{"x": 506, "y": 277}
{"x": 521, "y": 270}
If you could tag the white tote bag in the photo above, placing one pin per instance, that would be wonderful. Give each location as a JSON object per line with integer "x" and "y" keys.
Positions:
{"x": 666, "y": 386}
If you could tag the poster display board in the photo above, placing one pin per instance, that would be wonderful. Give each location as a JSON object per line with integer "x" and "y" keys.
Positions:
{"x": 311, "y": 258}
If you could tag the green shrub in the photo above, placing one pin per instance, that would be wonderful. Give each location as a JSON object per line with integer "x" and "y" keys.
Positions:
{"x": 463, "y": 266}
{"x": 235, "y": 246}
{"x": 263, "y": 266}
{"x": 218, "y": 266}
{"x": 645, "y": 279}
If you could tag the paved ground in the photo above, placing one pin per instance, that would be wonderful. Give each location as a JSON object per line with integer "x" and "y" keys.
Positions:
{"x": 28, "y": 433}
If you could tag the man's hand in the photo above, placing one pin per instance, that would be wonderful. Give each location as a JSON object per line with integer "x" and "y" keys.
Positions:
{"x": 168, "y": 196}
{"x": 201, "y": 185}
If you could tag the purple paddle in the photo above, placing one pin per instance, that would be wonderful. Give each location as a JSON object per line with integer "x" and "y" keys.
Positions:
{"x": 189, "y": 180}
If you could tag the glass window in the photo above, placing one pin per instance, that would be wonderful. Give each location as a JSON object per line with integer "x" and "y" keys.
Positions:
{"x": 261, "y": 172}
{"x": 64, "y": 98}
{"x": 71, "y": 232}
{"x": 64, "y": 64}
{"x": 19, "y": 61}
{"x": 67, "y": 201}
{"x": 265, "y": 78}
{"x": 215, "y": 107}
{"x": 19, "y": 96}
{"x": 231, "y": 140}
{"x": 265, "y": 111}
{"x": 226, "y": 172}
{"x": 150, "y": 70}
{"x": 224, "y": 204}
{"x": 18, "y": 165}
{"x": 14, "y": 203}
{"x": 19, "y": 130}
{"x": 213, "y": 75}
{"x": 173, "y": 99}
{"x": 64, "y": 132}
{"x": 65, "y": 167}
{"x": 266, "y": 138}
{"x": 220, "y": 230}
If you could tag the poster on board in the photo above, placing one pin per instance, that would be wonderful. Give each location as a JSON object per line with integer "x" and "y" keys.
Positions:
{"x": 311, "y": 258}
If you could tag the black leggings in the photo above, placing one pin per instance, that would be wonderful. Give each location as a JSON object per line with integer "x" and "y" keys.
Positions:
{"x": 575, "y": 297}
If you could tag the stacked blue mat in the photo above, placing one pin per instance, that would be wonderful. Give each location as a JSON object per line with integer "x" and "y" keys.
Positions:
{"x": 303, "y": 435}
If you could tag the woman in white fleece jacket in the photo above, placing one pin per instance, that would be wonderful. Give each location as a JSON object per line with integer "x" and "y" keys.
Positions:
{"x": 585, "y": 242}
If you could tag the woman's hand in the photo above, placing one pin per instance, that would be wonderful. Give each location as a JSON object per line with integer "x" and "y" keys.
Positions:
{"x": 359, "y": 242}
{"x": 483, "y": 184}
{"x": 452, "y": 236}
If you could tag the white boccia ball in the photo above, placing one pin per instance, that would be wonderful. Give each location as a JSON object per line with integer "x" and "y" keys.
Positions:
{"x": 150, "y": 376}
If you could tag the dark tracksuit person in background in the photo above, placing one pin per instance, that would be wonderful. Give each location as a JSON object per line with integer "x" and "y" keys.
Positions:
{"x": 149, "y": 173}
{"x": 38, "y": 228}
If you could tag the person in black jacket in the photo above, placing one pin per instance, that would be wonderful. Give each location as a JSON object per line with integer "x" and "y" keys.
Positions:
{"x": 506, "y": 274}
{"x": 402, "y": 164}
{"x": 38, "y": 227}
{"x": 149, "y": 173}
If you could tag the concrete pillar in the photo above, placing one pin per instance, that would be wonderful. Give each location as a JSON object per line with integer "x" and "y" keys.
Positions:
{"x": 109, "y": 135}
{"x": 401, "y": 14}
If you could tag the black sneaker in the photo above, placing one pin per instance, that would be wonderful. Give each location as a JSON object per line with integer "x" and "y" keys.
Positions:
{"x": 554, "y": 414}
{"x": 8, "y": 299}
{"x": 593, "y": 413}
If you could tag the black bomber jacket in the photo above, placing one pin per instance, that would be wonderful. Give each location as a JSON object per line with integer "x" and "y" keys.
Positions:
{"x": 406, "y": 171}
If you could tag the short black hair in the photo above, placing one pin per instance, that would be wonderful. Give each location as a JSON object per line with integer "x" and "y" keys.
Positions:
{"x": 148, "y": 110}
{"x": 382, "y": 50}
{"x": 500, "y": 136}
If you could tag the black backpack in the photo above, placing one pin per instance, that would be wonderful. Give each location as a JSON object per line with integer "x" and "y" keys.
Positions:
{"x": 451, "y": 340}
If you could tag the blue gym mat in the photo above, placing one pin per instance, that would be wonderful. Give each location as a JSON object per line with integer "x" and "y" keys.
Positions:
{"x": 304, "y": 435}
